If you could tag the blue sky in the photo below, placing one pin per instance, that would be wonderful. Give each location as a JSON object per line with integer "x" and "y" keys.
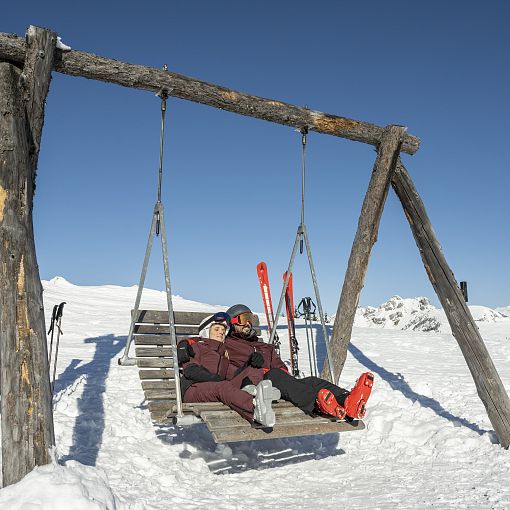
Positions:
{"x": 231, "y": 184}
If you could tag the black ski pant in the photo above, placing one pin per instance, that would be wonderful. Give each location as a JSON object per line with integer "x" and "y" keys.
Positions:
{"x": 303, "y": 392}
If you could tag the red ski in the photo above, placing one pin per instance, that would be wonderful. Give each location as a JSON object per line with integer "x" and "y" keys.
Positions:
{"x": 293, "y": 343}
{"x": 268, "y": 303}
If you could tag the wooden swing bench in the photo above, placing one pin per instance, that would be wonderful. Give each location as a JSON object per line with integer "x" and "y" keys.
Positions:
{"x": 155, "y": 363}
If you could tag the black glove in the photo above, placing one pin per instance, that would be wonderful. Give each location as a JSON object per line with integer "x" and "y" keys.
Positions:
{"x": 184, "y": 352}
{"x": 197, "y": 373}
{"x": 256, "y": 360}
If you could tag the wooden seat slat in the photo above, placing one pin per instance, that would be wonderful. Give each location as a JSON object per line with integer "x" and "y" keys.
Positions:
{"x": 160, "y": 394}
{"x": 152, "y": 352}
{"x": 151, "y": 329}
{"x": 165, "y": 384}
{"x": 155, "y": 362}
{"x": 170, "y": 408}
{"x": 152, "y": 340}
{"x": 217, "y": 421}
{"x": 157, "y": 374}
{"x": 234, "y": 434}
{"x": 162, "y": 330}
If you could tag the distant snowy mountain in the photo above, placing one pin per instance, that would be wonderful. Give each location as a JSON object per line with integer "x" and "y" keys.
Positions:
{"x": 417, "y": 314}
{"x": 505, "y": 310}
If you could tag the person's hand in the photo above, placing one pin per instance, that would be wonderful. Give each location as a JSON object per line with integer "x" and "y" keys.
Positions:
{"x": 256, "y": 360}
{"x": 184, "y": 352}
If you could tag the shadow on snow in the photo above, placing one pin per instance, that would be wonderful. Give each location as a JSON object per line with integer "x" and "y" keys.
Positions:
{"x": 197, "y": 443}
{"x": 396, "y": 381}
{"x": 89, "y": 424}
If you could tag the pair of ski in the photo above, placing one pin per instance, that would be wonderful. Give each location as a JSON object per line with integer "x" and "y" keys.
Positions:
{"x": 289, "y": 305}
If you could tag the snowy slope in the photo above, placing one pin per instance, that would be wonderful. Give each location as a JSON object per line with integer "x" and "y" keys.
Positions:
{"x": 428, "y": 442}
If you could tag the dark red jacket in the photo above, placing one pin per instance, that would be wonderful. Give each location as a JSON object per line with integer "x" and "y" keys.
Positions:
{"x": 239, "y": 349}
{"x": 210, "y": 363}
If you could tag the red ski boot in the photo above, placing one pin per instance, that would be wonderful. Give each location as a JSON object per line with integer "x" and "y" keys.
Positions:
{"x": 327, "y": 404}
{"x": 357, "y": 399}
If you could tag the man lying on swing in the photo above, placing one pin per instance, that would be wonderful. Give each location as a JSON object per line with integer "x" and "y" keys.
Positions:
{"x": 233, "y": 361}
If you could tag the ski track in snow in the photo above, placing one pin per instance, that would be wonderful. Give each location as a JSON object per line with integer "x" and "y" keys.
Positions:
{"x": 428, "y": 442}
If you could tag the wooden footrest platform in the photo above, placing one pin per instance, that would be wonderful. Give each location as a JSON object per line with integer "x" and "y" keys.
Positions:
{"x": 226, "y": 426}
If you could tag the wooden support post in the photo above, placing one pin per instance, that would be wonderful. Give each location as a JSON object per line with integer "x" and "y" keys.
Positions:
{"x": 27, "y": 420}
{"x": 366, "y": 236}
{"x": 488, "y": 383}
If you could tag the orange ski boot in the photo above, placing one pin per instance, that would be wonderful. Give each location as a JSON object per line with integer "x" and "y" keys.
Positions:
{"x": 327, "y": 404}
{"x": 355, "y": 403}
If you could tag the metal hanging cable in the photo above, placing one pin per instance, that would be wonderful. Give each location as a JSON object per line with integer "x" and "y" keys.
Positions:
{"x": 302, "y": 236}
{"x": 157, "y": 227}
{"x": 304, "y": 133}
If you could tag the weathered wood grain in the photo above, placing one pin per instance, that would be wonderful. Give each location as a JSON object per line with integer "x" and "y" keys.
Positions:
{"x": 155, "y": 363}
{"x": 152, "y": 352}
{"x": 156, "y": 374}
{"x": 27, "y": 420}
{"x": 88, "y": 65}
{"x": 164, "y": 384}
{"x": 160, "y": 394}
{"x": 366, "y": 236}
{"x": 234, "y": 434}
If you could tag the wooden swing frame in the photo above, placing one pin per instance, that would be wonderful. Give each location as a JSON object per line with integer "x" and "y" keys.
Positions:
{"x": 26, "y": 65}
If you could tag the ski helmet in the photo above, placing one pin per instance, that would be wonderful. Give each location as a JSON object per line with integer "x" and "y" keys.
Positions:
{"x": 235, "y": 310}
{"x": 218, "y": 318}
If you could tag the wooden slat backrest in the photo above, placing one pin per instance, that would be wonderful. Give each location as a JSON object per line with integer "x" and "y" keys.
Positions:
{"x": 155, "y": 362}
{"x": 154, "y": 355}
{"x": 155, "y": 322}
{"x": 180, "y": 318}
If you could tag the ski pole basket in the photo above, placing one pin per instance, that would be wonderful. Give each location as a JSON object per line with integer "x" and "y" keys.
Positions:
{"x": 155, "y": 364}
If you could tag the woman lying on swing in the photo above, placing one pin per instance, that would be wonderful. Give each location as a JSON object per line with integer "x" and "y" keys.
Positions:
{"x": 208, "y": 376}
{"x": 247, "y": 375}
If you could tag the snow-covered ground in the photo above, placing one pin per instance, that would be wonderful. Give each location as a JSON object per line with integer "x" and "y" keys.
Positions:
{"x": 428, "y": 442}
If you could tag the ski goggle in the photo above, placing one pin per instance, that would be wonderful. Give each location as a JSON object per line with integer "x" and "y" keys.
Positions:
{"x": 243, "y": 318}
{"x": 221, "y": 317}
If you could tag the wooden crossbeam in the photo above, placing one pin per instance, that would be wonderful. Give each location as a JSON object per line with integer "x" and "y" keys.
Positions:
{"x": 88, "y": 65}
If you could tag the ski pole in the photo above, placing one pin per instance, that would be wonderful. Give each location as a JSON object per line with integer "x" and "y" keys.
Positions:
{"x": 58, "y": 321}
{"x": 52, "y": 330}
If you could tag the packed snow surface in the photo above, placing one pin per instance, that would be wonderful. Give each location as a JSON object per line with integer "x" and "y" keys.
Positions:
{"x": 428, "y": 441}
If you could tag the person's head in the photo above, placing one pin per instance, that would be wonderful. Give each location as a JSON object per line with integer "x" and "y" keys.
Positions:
{"x": 219, "y": 326}
{"x": 241, "y": 319}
